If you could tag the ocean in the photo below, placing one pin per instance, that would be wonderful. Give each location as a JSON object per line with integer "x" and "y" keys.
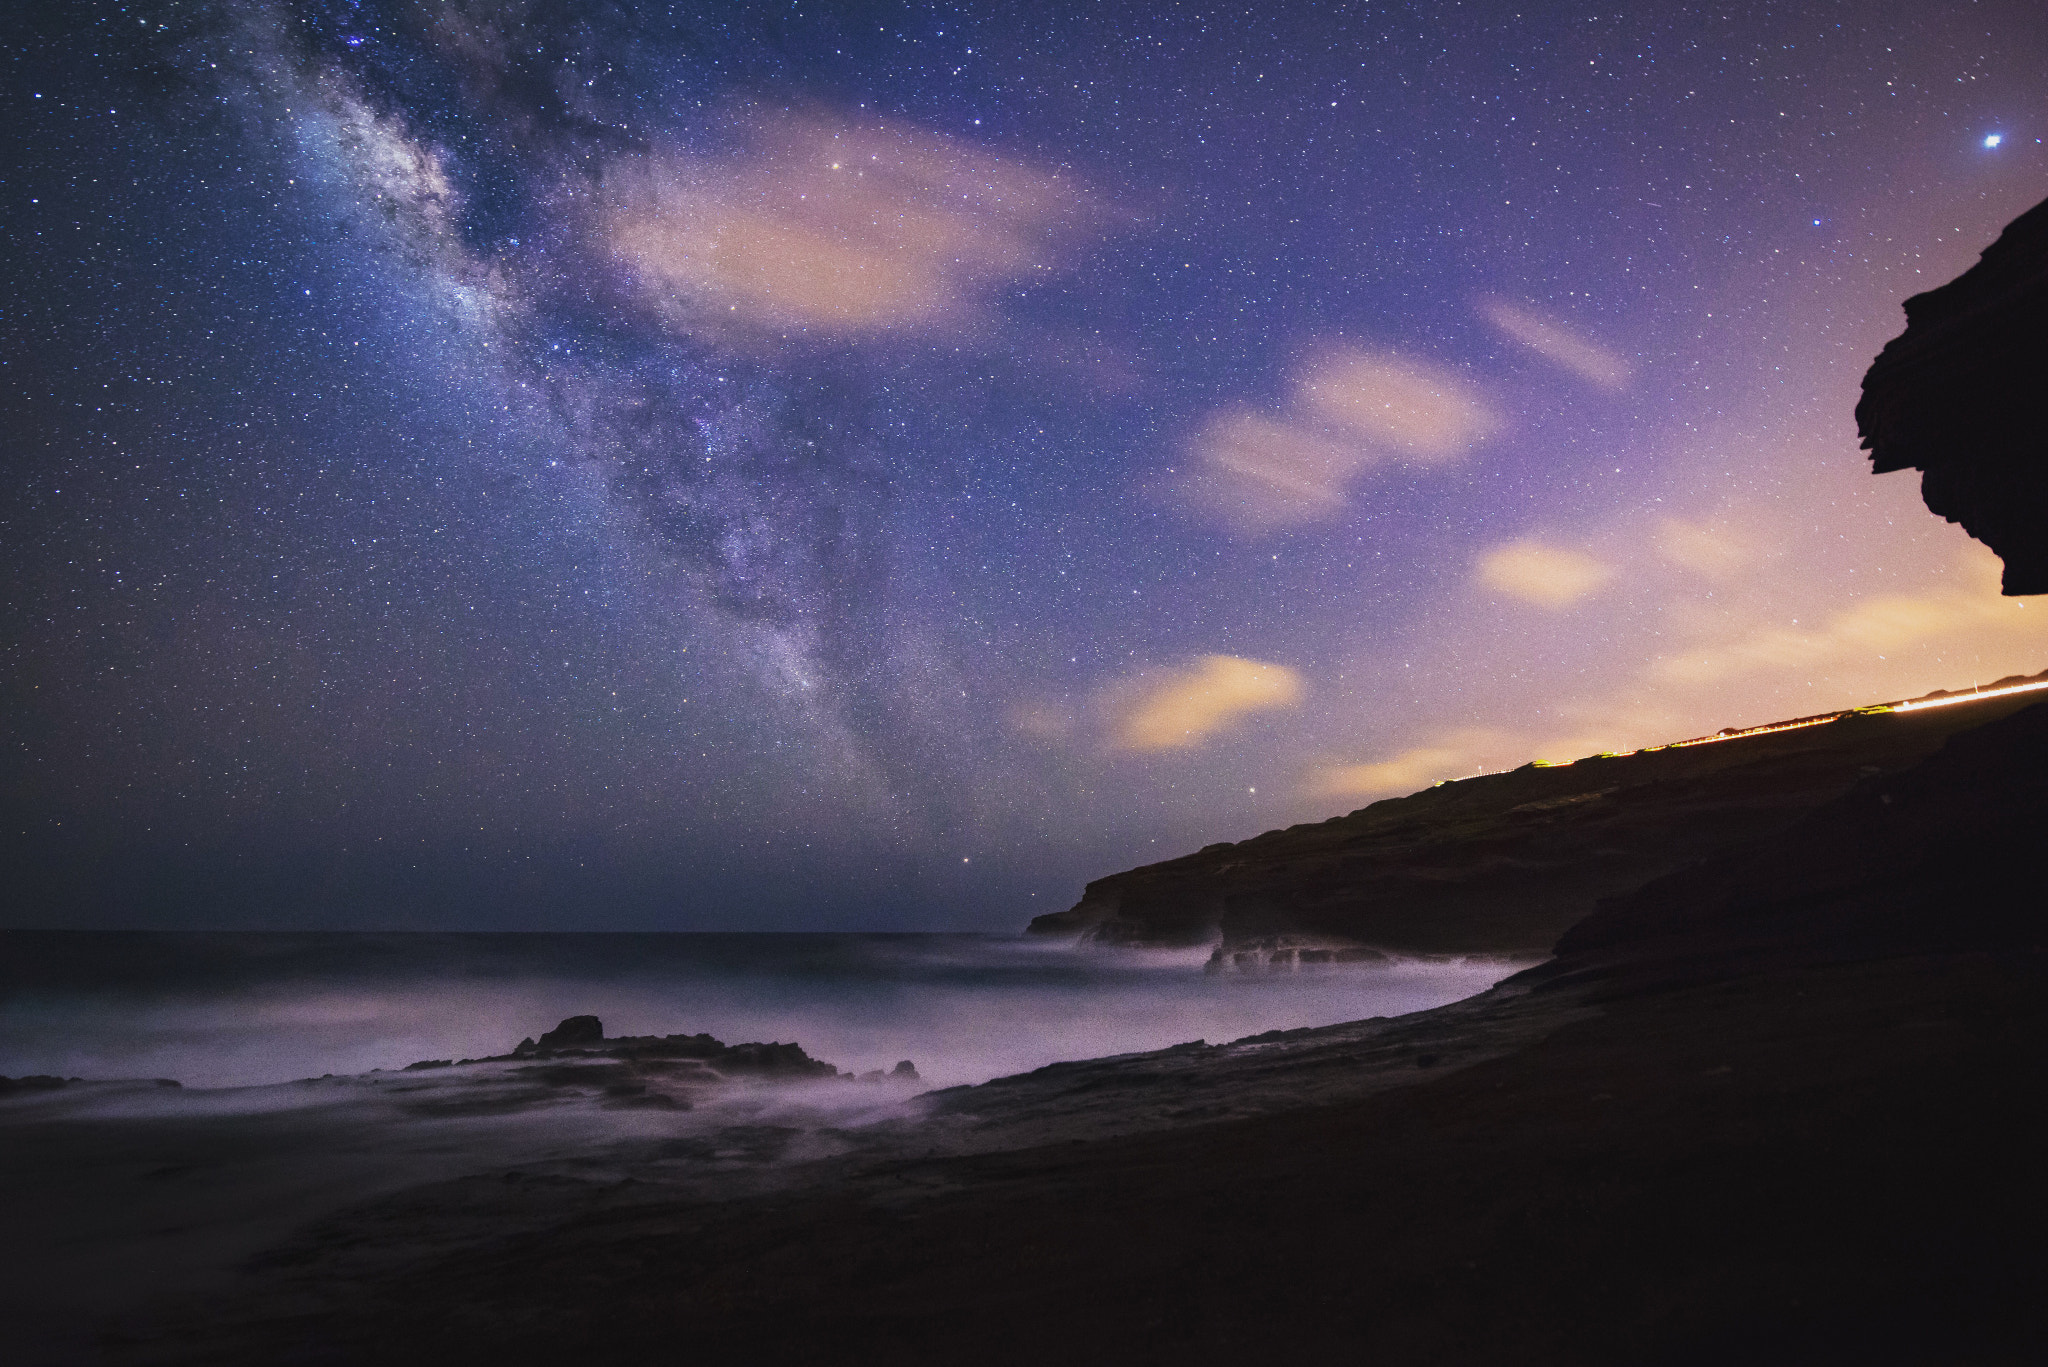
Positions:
{"x": 220, "y": 1010}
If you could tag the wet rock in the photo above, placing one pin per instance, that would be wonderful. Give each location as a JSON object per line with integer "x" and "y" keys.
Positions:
{"x": 582, "y": 1037}
{"x": 1287, "y": 954}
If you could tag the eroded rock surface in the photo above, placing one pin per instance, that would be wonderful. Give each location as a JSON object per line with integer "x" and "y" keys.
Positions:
{"x": 1957, "y": 396}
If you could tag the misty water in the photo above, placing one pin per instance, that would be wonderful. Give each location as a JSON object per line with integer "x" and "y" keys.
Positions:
{"x": 241, "y": 1009}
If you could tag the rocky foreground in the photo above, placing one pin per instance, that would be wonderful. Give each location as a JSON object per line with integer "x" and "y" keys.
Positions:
{"x": 1782, "y": 1107}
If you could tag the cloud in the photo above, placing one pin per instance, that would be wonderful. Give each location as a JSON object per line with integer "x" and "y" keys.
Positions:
{"x": 1555, "y": 344}
{"x": 1548, "y": 576}
{"x": 1404, "y": 773}
{"x": 838, "y": 227}
{"x": 1404, "y": 407}
{"x": 1347, "y": 410}
{"x": 1261, "y": 474}
{"x": 1878, "y": 626}
{"x": 1707, "y": 551}
{"x": 1182, "y": 708}
{"x": 1738, "y": 672}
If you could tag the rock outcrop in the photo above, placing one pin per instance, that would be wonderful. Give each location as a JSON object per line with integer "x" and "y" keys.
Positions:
{"x": 1942, "y": 858}
{"x": 34, "y": 1082}
{"x": 1958, "y": 396}
{"x": 1501, "y": 864}
{"x": 577, "y": 1032}
{"x": 583, "y": 1037}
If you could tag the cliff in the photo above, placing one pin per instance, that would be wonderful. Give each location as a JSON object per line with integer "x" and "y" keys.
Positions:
{"x": 1942, "y": 858}
{"x": 1502, "y": 864}
{"x": 1958, "y": 396}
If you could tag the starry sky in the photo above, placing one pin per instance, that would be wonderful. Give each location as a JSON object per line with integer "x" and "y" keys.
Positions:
{"x": 816, "y": 466}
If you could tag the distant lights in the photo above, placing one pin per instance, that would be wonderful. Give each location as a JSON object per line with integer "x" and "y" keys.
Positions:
{"x": 1993, "y": 139}
{"x": 1916, "y": 704}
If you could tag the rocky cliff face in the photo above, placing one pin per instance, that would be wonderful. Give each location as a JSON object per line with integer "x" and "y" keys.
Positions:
{"x": 1940, "y": 858}
{"x": 1958, "y": 396}
{"x": 1501, "y": 864}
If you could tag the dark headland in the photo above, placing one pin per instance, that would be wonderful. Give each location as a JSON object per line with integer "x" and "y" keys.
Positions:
{"x": 1775, "y": 1096}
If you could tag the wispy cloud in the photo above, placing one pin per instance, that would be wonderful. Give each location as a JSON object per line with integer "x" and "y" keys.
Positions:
{"x": 1734, "y": 668}
{"x": 1715, "y": 552}
{"x": 1447, "y": 756}
{"x": 1347, "y": 409}
{"x": 1404, "y": 407}
{"x": 1557, "y": 344}
{"x": 1548, "y": 576}
{"x": 1182, "y": 708}
{"x": 1259, "y": 473}
{"x": 1878, "y": 626}
{"x": 839, "y": 226}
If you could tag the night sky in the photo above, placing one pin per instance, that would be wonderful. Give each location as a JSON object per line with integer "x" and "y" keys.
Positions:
{"x": 807, "y": 466}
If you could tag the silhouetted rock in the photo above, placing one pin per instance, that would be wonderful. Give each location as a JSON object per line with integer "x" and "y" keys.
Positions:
{"x": 1942, "y": 858}
{"x": 34, "y": 1082}
{"x": 577, "y": 1032}
{"x": 771, "y": 1060}
{"x": 1958, "y": 396}
{"x": 906, "y": 1070}
{"x": 582, "y": 1037}
{"x": 1500, "y": 864}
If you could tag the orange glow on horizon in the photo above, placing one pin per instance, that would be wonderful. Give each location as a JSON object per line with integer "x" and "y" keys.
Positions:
{"x": 1797, "y": 723}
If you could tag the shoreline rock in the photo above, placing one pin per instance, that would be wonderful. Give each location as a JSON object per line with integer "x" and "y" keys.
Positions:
{"x": 583, "y": 1037}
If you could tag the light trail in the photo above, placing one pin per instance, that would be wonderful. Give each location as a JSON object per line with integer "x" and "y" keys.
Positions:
{"x": 1793, "y": 725}
{"x": 1918, "y": 703}
{"x": 2036, "y": 684}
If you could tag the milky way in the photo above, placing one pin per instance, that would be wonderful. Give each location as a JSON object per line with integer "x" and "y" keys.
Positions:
{"x": 882, "y": 465}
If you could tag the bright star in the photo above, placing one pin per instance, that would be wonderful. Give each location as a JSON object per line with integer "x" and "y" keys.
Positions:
{"x": 1993, "y": 139}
